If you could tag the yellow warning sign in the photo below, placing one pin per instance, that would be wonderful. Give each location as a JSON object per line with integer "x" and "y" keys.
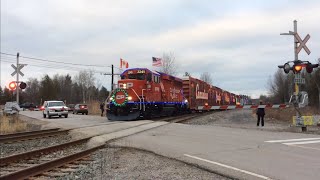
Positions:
{"x": 305, "y": 120}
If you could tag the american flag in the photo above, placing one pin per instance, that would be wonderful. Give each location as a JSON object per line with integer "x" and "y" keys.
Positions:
{"x": 156, "y": 61}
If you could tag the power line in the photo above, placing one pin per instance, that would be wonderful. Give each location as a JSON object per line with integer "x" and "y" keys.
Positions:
{"x": 60, "y": 62}
{"x": 8, "y": 60}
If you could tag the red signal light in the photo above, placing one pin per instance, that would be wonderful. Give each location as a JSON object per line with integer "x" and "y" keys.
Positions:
{"x": 310, "y": 67}
{"x": 23, "y": 85}
{"x": 297, "y": 68}
{"x": 12, "y": 85}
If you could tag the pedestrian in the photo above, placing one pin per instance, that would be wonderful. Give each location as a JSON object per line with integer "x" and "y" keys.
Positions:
{"x": 102, "y": 108}
{"x": 260, "y": 113}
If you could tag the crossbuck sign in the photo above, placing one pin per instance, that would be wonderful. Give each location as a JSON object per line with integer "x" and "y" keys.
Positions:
{"x": 302, "y": 43}
{"x": 17, "y": 70}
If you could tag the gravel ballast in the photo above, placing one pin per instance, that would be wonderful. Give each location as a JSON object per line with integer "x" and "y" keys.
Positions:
{"x": 129, "y": 163}
{"x": 29, "y": 145}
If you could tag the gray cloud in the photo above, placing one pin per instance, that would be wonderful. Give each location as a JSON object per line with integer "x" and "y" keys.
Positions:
{"x": 237, "y": 42}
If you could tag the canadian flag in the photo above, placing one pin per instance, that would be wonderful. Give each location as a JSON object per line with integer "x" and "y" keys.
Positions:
{"x": 124, "y": 64}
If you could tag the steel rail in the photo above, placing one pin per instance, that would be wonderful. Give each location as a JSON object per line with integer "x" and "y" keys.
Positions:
{"x": 38, "y": 169}
{"x": 39, "y": 152}
{"x": 30, "y": 135}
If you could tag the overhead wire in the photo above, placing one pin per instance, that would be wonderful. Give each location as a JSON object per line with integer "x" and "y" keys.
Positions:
{"x": 55, "y": 67}
{"x": 52, "y": 61}
{"x": 52, "y": 65}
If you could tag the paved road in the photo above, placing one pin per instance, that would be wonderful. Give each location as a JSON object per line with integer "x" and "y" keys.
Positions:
{"x": 72, "y": 121}
{"x": 240, "y": 153}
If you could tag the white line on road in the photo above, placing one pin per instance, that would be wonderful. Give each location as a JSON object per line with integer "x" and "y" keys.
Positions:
{"x": 318, "y": 149}
{"x": 304, "y": 142}
{"x": 292, "y": 140}
{"x": 229, "y": 167}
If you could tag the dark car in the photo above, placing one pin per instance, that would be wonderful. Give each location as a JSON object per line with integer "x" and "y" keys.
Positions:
{"x": 70, "y": 107}
{"x": 80, "y": 108}
{"x": 27, "y": 105}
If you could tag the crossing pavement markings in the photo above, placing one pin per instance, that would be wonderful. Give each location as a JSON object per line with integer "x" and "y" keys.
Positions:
{"x": 298, "y": 142}
{"x": 303, "y": 142}
{"x": 229, "y": 167}
{"x": 292, "y": 140}
{"x": 318, "y": 149}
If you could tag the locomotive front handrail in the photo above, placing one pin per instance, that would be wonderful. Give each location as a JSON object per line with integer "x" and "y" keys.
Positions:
{"x": 137, "y": 96}
{"x": 144, "y": 106}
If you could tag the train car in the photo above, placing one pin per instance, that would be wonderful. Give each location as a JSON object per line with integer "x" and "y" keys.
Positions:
{"x": 198, "y": 93}
{"x": 143, "y": 93}
{"x": 218, "y": 95}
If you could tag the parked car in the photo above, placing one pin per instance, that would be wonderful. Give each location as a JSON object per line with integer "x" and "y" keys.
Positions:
{"x": 70, "y": 107}
{"x": 27, "y": 105}
{"x": 11, "y": 108}
{"x": 54, "y": 108}
{"x": 80, "y": 108}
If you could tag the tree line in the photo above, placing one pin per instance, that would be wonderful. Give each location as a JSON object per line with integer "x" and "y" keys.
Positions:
{"x": 78, "y": 89}
{"x": 281, "y": 87}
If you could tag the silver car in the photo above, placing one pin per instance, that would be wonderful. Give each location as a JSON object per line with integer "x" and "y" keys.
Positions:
{"x": 54, "y": 108}
{"x": 11, "y": 108}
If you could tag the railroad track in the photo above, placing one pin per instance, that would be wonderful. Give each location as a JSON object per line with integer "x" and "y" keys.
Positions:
{"x": 6, "y": 138}
{"x": 186, "y": 117}
{"x": 35, "y": 162}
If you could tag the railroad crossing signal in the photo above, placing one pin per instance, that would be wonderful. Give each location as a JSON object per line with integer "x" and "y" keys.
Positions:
{"x": 302, "y": 43}
{"x": 298, "y": 66}
{"x": 17, "y": 70}
{"x": 12, "y": 85}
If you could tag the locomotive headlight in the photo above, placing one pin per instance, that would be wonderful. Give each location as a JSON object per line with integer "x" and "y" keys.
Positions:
{"x": 111, "y": 98}
{"x": 124, "y": 86}
{"x": 129, "y": 98}
{"x": 186, "y": 100}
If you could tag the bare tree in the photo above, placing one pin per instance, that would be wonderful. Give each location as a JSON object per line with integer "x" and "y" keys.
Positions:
{"x": 32, "y": 91}
{"x": 169, "y": 65}
{"x": 206, "y": 77}
{"x": 279, "y": 87}
{"x": 85, "y": 80}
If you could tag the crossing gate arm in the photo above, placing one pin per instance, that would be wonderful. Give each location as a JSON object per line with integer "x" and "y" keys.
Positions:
{"x": 225, "y": 107}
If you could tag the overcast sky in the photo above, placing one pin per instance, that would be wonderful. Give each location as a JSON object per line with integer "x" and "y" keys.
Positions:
{"x": 237, "y": 42}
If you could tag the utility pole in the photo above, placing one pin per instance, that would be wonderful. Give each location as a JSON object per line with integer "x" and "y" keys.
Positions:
{"x": 17, "y": 88}
{"x": 296, "y": 58}
{"x": 112, "y": 74}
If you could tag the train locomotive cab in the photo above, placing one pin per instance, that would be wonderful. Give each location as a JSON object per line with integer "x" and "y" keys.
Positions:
{"x": 143, "y": 93}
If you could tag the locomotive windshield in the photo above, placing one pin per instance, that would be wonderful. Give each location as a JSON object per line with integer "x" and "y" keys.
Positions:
{"x": 136, "y": 76}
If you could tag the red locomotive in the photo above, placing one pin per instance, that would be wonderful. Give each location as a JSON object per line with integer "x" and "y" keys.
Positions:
{"x": 143, "y": 93}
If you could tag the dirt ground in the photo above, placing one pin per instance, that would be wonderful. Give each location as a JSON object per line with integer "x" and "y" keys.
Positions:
{"x": 19, "y": 123}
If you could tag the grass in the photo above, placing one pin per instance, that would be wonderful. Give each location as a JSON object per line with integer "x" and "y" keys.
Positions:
{"x": 11, "y": 124}
{"x": 94, "y": 108}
